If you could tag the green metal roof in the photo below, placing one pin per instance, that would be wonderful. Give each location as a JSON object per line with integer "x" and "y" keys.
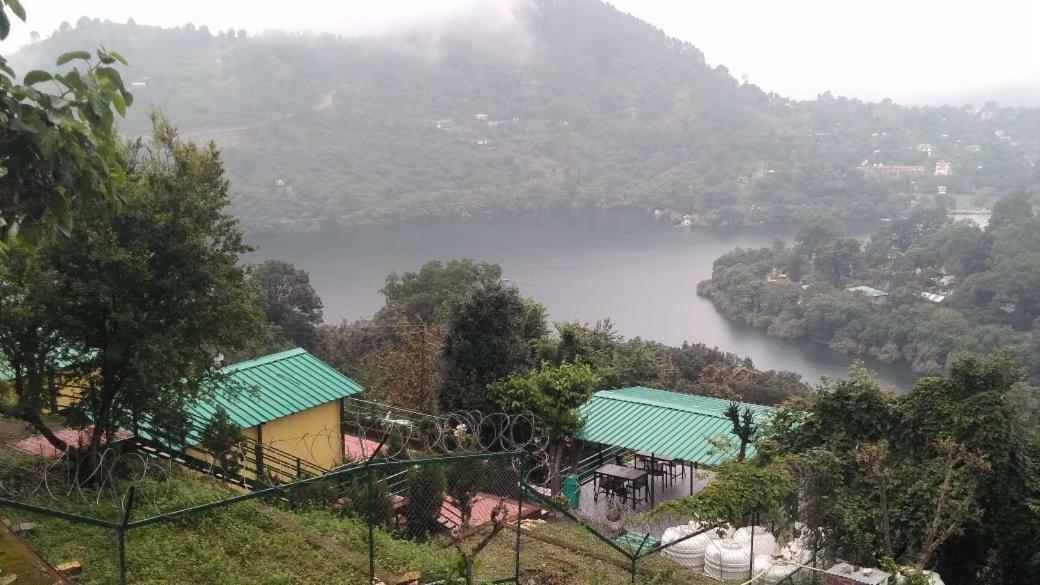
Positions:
{"x": 669, "y": 424}
{"x": 276, "y": 385}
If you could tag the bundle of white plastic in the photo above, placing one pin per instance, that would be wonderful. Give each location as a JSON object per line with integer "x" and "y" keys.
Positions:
{"x": 764, "y": 541}
{"x": 727, "y": 559}
{"x": 690, "y": 552}
{"x": 771, "y": 572}
{"x": 795, "y": 552}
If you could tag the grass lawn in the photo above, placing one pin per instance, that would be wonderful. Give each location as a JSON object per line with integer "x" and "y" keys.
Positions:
{"x": 248, "y": 542}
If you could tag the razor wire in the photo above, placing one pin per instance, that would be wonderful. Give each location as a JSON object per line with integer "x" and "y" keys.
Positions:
{"x": 100, "y": 489}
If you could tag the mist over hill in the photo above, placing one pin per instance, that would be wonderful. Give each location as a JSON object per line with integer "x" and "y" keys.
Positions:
{"x": 577, "y": 105}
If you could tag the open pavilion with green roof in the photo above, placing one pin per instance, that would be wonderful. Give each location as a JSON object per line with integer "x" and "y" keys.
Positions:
{"x": 669, "y": 424}
{"x": 673, "y": 427}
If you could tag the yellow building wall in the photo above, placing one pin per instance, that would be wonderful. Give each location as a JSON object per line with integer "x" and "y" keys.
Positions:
{"x": 312, "y": 435}
{"x": 246, "y": 470}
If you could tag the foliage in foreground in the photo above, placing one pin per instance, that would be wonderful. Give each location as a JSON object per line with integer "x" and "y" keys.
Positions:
{"x": 945, "y": 476}
{"x": 60, "y": 146}
{"x": 134, "y": 308}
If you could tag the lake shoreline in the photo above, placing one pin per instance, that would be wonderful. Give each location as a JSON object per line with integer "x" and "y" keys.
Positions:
{"x": 671, "y": 216}
{"x": 622, "y": 265}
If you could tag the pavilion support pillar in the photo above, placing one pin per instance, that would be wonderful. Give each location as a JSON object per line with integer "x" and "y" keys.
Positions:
{"x": 653, "y": 468}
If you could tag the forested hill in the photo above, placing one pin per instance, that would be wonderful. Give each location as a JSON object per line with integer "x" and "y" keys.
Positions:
{"x": 585, "y": 106}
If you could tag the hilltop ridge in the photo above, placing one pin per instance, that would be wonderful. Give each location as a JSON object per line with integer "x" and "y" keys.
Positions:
{"x": 594, "y": 109}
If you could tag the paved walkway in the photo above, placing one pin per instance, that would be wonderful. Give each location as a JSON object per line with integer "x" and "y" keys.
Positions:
{"x": 40, "y": 446}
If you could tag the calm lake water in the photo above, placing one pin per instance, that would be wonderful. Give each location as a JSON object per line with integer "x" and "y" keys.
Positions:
{"x": 583, "y": 266}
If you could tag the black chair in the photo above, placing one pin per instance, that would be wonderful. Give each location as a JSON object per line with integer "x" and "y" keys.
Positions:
{"x": 611, "y": 486}
{"x": 677, "y": 468}
{"x": 641, "y": 485}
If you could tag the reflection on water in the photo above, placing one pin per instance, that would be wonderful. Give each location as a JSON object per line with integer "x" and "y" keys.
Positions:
{"x": 583, "y": 266}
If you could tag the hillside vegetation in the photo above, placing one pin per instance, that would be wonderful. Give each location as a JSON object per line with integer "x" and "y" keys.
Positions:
{"x": 588, "y": 107}
{"x": 953, "y": 288}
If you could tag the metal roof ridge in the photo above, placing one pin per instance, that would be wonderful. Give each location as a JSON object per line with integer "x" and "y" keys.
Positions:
{"x": 262, "y": 360}
{"x": 687, "y": 395}
{"x": 658, "y": 403}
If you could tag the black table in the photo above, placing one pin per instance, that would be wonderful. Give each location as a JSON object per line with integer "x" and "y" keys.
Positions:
{"x": 619, "y": 480}
{"x": 659, "y": 466}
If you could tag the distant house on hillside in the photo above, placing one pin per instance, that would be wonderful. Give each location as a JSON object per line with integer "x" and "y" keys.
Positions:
{"x": 943, "y": 167}
{"x": 875, "y": 294}
{"x": 932, "y": 297}
{"x": 776, "y": 275}
{"x": 884, "y": 169}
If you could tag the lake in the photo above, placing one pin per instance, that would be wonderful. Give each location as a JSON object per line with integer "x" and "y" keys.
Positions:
{"x": 584, "y": 266}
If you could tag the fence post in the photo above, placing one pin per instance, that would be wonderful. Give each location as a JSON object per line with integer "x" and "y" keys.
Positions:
{"x": 371, "y": 526}
{"x": 751, "y": 561}
{"x": 519, "y": 517}
{"x": 121, "y": 537}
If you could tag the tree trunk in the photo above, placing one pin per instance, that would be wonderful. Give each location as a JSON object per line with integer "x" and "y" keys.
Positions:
{"x": 555, "y": 481}
{"x": 41, "y": 427}
{"x": 886, "y": 530}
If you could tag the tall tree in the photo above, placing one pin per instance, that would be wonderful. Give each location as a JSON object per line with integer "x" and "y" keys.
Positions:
{"x": 142, "y": 301}
{"x": 288, "y": 300}
{"x": 489, "y": 335}
{"x": 818, "y": 230}
{"x": 552, "y": 394}
{"x": 425, "y": 294}
{"x": 743, "y": 427}
{"x": 405, "y": 371}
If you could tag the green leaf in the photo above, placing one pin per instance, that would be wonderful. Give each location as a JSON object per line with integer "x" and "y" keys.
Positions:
{"x": 37, "y": 76}
{"x": 48, "y": 143}
{"x": 111, "y": 75}
{"x": 71, "y": 55}
{"x": 19, "y": 125}
{"x": 17, "y": 9}
{"x": 104, "y": 57}
{"x": 5, "y": 25}
{"x": 118, "y": 102}
{"x": 118, "y": 57}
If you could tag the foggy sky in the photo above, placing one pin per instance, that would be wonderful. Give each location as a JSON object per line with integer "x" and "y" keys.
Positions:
{"x": 913, "y": 51}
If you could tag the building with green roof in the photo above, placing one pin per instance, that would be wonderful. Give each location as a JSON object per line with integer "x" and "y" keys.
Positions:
{"x": 290, "y": 401}
{"x": 875, "y": 294}
{"x": 671, "y": 425}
